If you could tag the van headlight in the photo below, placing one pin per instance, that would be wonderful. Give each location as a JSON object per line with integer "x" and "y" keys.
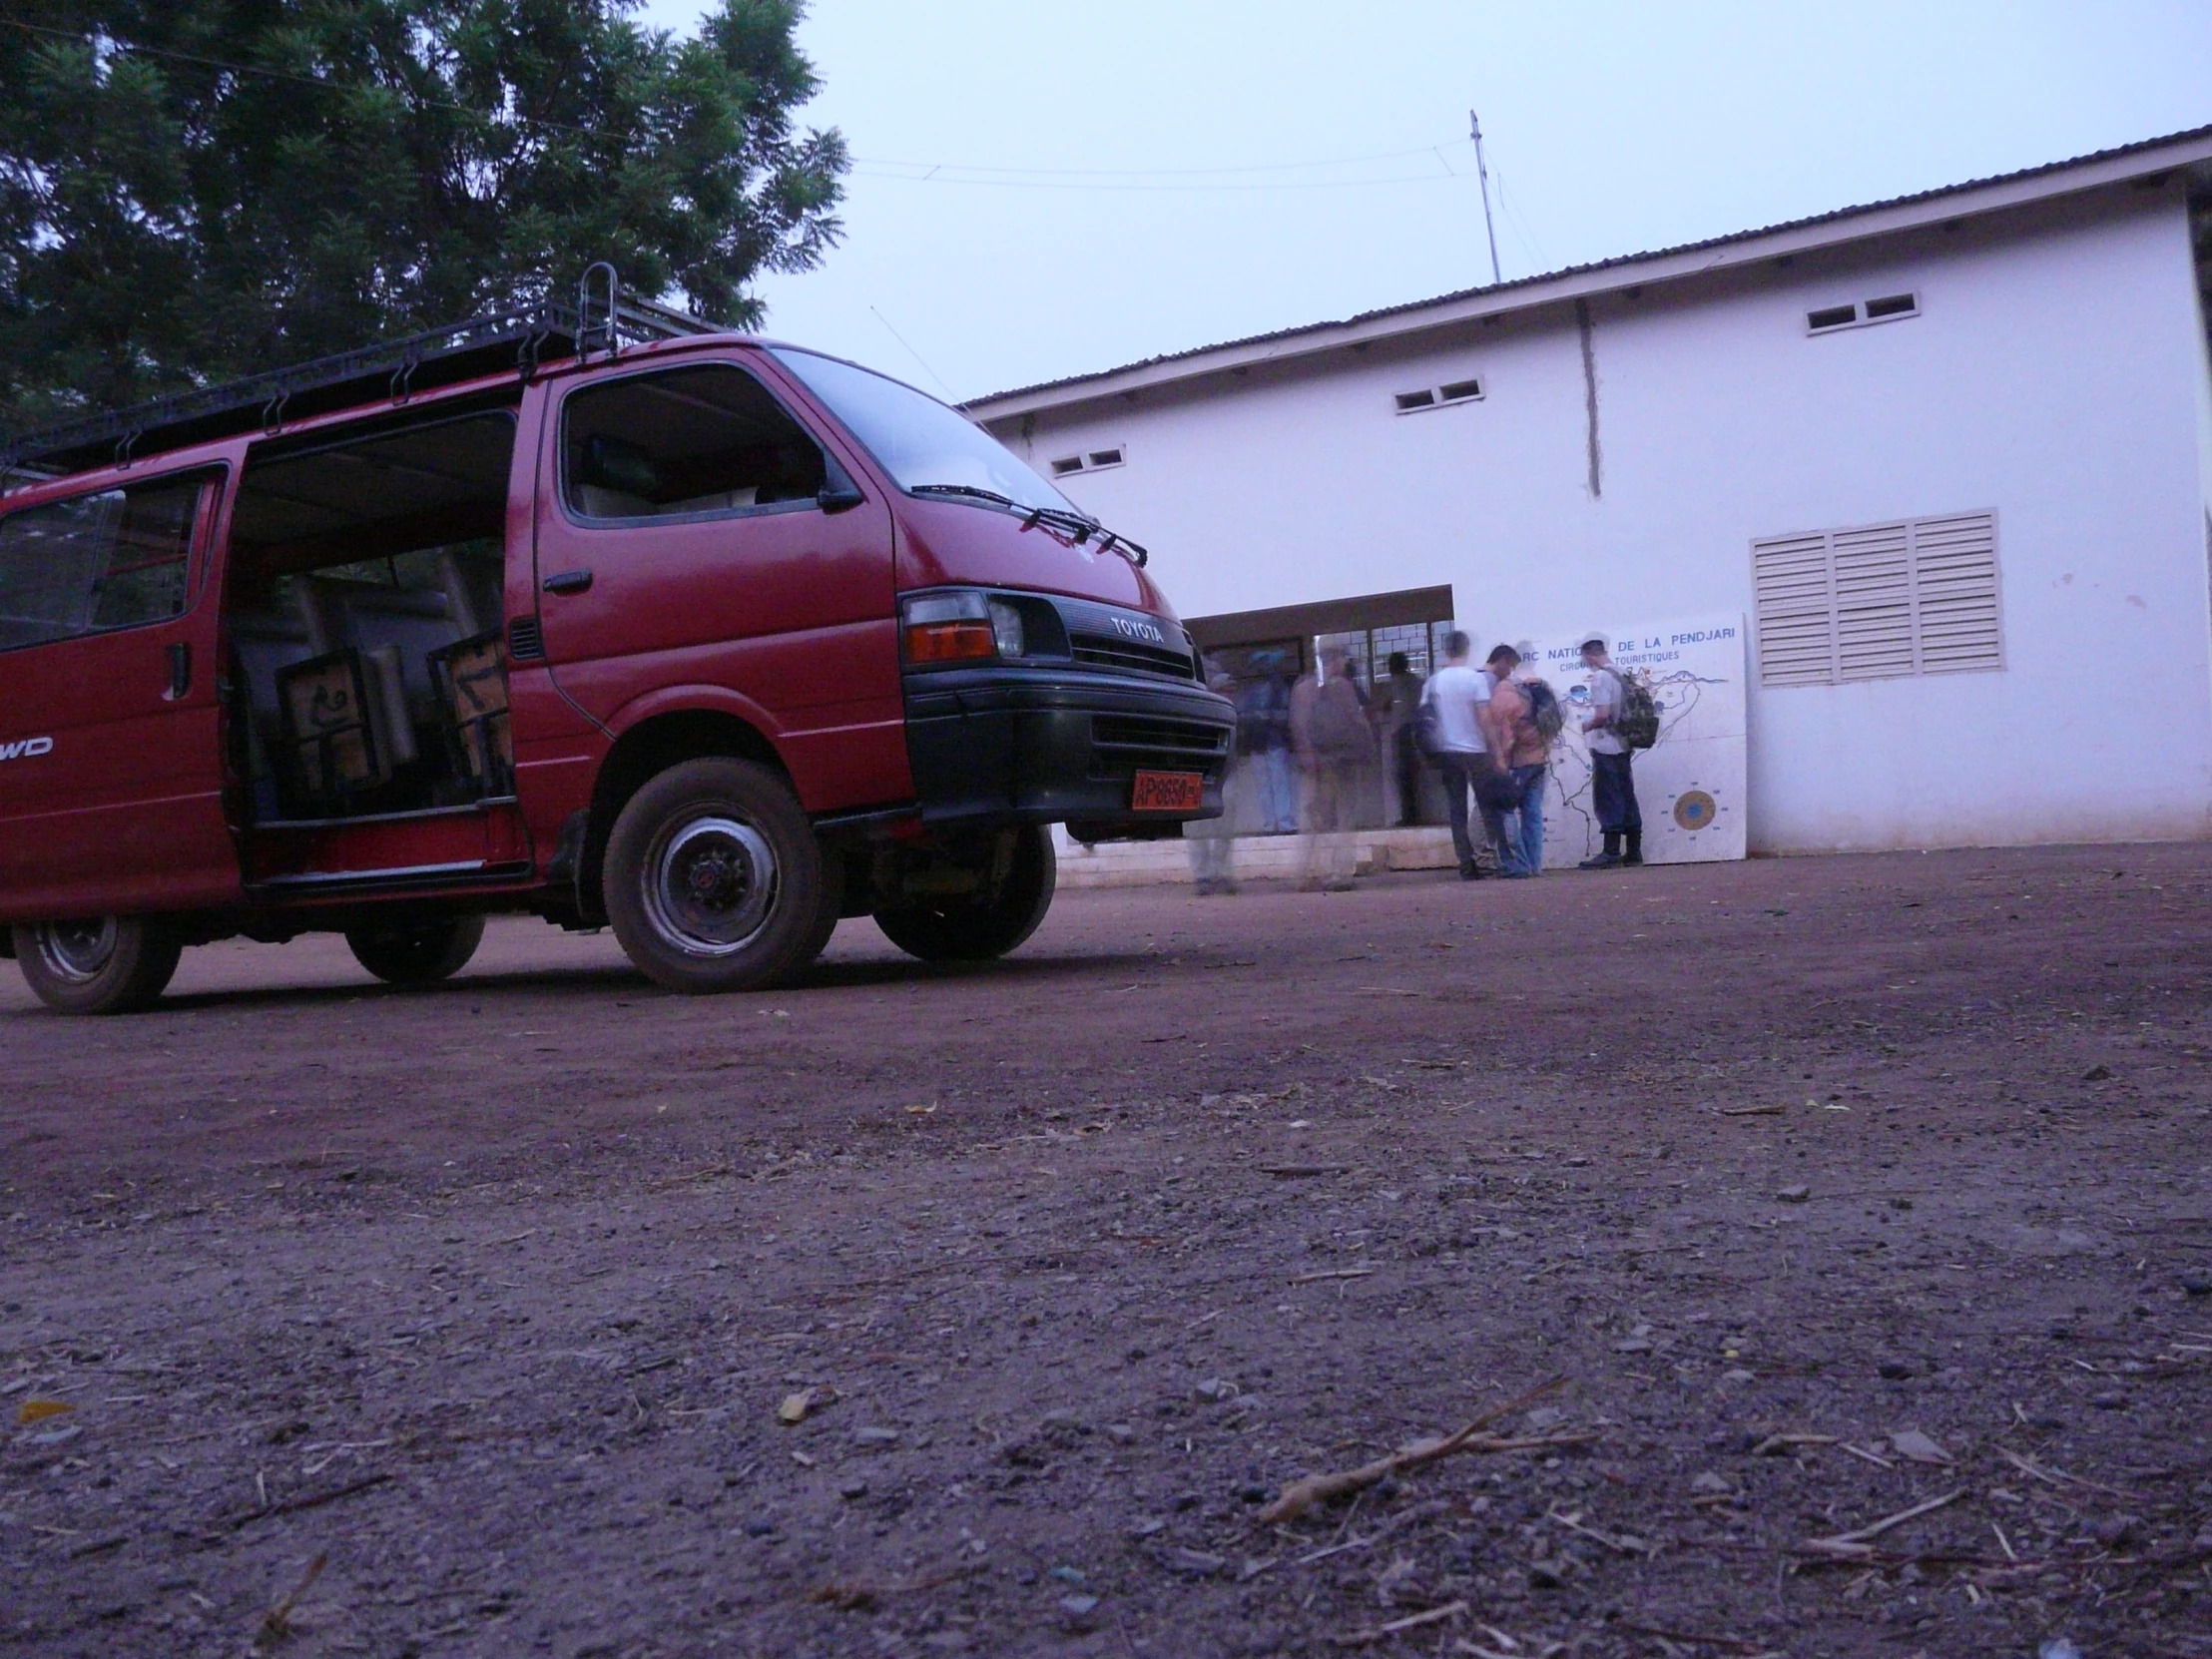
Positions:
{"x": 947, "y": 628}
{"x": 1006, "y": 628}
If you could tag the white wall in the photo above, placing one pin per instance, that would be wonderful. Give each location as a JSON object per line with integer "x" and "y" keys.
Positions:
{"x": 2056, "y": 373}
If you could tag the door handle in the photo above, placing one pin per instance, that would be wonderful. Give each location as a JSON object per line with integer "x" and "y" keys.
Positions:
{"x": 568, "y": 581}
{"x": 179, "y": 672}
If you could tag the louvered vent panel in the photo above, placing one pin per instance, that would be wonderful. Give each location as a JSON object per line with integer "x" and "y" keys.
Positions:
{"x": 1797, "y": 633}
{"x": 1879, "y": 602}
{"x": 1955, "y": 580}
{"x": 1873, "y": 602}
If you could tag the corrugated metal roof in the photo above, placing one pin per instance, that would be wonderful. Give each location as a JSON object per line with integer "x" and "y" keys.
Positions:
{"x": 2048, "y": 169}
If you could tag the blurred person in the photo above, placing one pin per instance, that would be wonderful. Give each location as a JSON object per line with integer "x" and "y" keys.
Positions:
{"x": 1264, "y": 736}
{"x": 1348, "y": 672}
{"x": 1523, "y": 754}
{"x": 1329, "y": 731}
{"x": 1393, "y": 705}
{"x": 1456, "y": 694}
{"x": 1612, "y": 773}
{"x": 1212, "y": 842}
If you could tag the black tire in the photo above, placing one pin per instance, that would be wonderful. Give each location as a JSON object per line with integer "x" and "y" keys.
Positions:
{"x": 100, "y": 965}
{"x": 715, "y": 880}
{"x": 977, "y": 928}
{"x": 416, "y": 952}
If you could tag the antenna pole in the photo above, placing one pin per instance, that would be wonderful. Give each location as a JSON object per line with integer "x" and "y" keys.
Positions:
{"x": 1483, "y": 173}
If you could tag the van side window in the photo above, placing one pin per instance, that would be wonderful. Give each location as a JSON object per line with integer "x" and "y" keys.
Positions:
{"x": 115, "y": 559}
{"x": 707, "y": 439}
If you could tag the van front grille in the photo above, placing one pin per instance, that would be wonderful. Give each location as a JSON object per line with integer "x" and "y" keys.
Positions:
{"x": 1127, "y": 656}
{"x": 1123, "y": 744}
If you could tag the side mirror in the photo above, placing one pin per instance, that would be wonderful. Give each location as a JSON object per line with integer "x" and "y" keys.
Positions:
{"x": 837, "y": 498}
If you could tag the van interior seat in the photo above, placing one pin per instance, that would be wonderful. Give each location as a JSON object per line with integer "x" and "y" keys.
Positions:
{"x": 368, "y": 618}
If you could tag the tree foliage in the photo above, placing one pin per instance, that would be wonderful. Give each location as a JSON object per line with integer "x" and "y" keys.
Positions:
{"x": 192, "y": 190}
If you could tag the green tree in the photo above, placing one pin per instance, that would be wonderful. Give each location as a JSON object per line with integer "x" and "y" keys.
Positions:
{"x": 192, "y": 190}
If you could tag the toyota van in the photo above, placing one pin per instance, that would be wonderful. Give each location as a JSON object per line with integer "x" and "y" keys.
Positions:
{"x": 587, "y": 613}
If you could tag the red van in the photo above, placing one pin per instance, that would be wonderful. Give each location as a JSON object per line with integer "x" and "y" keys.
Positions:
{"x": 588, "y": 613}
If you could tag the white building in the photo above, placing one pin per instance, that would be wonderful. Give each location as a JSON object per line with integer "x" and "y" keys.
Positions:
{"x": 2006, "y": 384}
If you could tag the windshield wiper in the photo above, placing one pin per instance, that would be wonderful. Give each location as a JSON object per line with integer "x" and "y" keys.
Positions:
{"x": 1135, "y": 554}
{"x": 1075, "y": 523}
{"x": 1081, "y": 529}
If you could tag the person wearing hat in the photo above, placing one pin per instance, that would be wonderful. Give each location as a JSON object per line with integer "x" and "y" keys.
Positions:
{"x": 1612, "y": 776}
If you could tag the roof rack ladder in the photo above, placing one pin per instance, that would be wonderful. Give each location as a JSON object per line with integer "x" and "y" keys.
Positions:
{"x": 605, "y": 330}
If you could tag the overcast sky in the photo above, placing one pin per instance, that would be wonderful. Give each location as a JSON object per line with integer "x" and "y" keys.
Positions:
{"x": 1062, "y": 233}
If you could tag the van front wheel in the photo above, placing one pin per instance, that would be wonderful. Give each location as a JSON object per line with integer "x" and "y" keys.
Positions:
{"x": 98, "y": 965}
{"x": 715, "y": 880}
{"x": 416, "y": 953}
{"x": 975, "y": 927}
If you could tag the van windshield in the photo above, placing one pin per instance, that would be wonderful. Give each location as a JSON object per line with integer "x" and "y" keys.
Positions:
{"x": 921, "y": 441}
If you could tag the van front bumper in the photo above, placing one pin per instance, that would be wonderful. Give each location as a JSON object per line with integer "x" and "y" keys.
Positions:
{"x": 1029, "y": 746}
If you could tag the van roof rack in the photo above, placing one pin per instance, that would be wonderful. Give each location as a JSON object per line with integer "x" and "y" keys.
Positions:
{"x": 519, "y": 340}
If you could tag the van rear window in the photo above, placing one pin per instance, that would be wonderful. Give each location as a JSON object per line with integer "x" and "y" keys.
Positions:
{"x": 114, "y": 559}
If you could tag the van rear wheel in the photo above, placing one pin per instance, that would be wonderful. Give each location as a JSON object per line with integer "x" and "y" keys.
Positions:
{"x": 977, "y": 926}
{"x": 99, "y": 964}
{"x": 416, "y": 952}
{"x": 715, "y": 880}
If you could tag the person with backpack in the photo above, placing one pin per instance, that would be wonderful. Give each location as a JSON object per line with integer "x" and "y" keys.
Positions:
{"x": 1447, "y": 728}
{"x": 1330, "y": 731}
{"x": 1523, "y": 753}
{"x": 1622, "y": 719}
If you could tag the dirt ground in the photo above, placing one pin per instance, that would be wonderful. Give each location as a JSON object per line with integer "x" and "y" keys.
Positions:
{"x": 1829, "y": 1189}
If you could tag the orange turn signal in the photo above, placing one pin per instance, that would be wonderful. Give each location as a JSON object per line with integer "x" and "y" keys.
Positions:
{"x": 959, "y": 641}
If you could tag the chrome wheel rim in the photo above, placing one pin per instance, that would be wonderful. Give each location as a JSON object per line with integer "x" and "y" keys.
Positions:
{"x": 711, "y": 884}
{"x": 77, "y": 952}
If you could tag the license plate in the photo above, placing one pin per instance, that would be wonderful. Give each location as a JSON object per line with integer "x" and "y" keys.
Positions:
{"x": 1168, "y": 791}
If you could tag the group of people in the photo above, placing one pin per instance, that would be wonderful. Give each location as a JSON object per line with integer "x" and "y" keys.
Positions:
{"x": 1488, "y": 731}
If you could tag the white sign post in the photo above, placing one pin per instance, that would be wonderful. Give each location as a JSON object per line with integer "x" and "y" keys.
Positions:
{"x": 1689, "y": 784}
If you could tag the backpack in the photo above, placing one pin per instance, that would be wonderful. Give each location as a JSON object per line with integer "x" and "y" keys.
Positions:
{"x": 1636, "y": 723}
{"x": 1543, "y": 710}
{"x": 1337, "y": 725}
{"x": 1428, "y": 727}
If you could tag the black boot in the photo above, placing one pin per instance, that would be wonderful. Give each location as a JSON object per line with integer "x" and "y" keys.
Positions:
{"x": 1608, "y": 858}
{"x": 1635, "y": 853}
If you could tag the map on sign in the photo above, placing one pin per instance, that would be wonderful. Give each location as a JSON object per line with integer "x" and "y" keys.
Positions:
{"x": 1689, "y": 784}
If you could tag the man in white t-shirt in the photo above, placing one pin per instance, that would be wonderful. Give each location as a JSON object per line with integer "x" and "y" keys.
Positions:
{"x": 1612, "y": 778}
{"x": 1458, "y": 693}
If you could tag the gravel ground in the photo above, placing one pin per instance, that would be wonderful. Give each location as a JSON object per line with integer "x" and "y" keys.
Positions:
{"x": 459, "y": 1322}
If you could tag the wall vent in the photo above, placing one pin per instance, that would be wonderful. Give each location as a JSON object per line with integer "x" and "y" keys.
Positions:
{"x": 1888, "y": 308}
{"x": 1880, "y": 602}
{"x": 1437, "y": 397}
{"x": 1091, "y": 460}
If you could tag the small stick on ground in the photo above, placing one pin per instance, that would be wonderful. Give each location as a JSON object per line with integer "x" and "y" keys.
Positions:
{"x": 1383, "y": 1632}
{"x": 276, "y": 1622}
{"x": 1734, "y": 1643}
{"x": 2057, "y": 1477}
{"x": 1300, "y": 1495}
{"x": 1857, "y": 1543}
{"x": 313, "y": 1501}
